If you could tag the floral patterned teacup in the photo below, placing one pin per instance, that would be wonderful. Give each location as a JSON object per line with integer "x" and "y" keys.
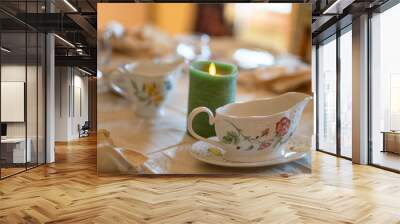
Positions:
{"x": 256, "y": 130}
{"x": 146, "y": 83}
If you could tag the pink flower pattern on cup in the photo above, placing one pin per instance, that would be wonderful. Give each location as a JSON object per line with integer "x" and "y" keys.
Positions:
{"x": 237, "y": 137}
{"x": 282, "y": 126}
{"x": 264, "y": 145}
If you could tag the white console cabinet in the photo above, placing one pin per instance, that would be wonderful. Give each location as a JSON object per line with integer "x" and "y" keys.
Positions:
{"x": 17, "y": 146}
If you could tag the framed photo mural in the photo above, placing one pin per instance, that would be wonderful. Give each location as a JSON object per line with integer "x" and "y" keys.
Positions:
{"x": 204, "y": 88}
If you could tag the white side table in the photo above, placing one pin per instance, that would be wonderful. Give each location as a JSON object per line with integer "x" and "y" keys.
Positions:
{"x": 391, "y": 141}
{"x": 19, "y": 155}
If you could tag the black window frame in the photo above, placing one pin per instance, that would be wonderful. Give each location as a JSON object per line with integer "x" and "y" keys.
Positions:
{"x": 30, "y": 29}
{"x": 334, "y": 36}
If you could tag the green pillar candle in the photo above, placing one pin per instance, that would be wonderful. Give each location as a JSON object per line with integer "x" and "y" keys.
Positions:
{"x": 211, "y": 91}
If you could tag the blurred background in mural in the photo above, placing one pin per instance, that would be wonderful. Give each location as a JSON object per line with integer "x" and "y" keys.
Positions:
{"x": 281, "y": 33}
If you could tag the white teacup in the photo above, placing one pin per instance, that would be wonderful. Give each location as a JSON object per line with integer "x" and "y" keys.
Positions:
{"x": 147, "y": 84}
{"x": 256, "y": 130}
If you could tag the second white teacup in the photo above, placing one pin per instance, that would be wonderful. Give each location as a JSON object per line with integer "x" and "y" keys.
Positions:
{"x": 147, "y": 84}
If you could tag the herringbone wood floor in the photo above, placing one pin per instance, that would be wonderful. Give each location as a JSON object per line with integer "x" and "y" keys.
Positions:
{"x": 69, "y": 191}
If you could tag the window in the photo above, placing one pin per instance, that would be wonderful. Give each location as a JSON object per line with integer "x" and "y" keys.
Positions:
{"x": 22, "y": 77}
{"x": 385, "y": 89}
{"x": 346, "y": 94}
{"x": 334, "y": 94}
{"x": 327, "y": 97}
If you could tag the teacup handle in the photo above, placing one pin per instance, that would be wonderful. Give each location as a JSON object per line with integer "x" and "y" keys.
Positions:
{"x": 211, "y": 121}
{"x": 118, "y": 82}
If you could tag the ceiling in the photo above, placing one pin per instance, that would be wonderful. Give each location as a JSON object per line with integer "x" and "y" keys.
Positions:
{"x": 74, "y": 22}
{"x": 328, "y": 16}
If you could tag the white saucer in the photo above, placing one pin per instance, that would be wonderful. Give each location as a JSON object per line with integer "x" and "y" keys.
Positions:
{"x": 200, "y": 150}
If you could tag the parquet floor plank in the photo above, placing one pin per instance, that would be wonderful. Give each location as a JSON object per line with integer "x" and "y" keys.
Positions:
{"x": 70, "y": 191}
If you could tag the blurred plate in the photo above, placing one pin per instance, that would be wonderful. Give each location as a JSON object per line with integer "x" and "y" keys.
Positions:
{"x": 252, "y": 59}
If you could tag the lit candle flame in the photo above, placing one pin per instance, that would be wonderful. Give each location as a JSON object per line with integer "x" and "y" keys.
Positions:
{"x": 212, "y": 70}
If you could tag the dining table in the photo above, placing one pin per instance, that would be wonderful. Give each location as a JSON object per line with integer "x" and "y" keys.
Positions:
{"x": 164, "y": 140}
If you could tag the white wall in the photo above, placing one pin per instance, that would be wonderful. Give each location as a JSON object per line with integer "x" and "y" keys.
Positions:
{"x": 13, "y": 100}
{"x": 14, "y": 73}
{"x": 17, "y": 73}
{"x": 80, "y": 110}
{"x": 71, "y": 93}
{"x": 62, "y": 81}
{"x": 33, "y": 127}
